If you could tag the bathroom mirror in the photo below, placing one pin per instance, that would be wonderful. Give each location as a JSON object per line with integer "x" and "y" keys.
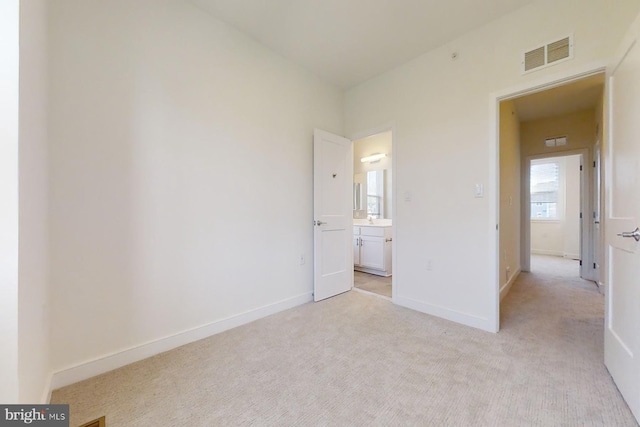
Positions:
{"x": 375, "y": 194}
{"x": 372, "y": 194}
{"x": 358, "y": 200}
{"x": 358, "y": 192}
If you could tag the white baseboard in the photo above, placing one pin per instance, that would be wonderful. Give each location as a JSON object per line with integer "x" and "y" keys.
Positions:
{"x": 602, "y": 287}
{"x": 545, "y": 252}
{"x": 504, "y": 290}
{"x": 46, "y": 394}
{"x": 446, "y": 313}
{"x": 91, "y": 368}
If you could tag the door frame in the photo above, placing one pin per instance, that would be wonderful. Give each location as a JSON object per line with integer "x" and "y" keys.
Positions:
{"x": 597, "y": 238}
{"x": 586, "y": 248}
{"x": 361, "y": 134}
{"x": 547, "y": 81}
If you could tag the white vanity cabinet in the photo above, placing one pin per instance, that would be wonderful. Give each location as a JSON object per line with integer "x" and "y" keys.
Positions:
{"x": 372, "y": 249}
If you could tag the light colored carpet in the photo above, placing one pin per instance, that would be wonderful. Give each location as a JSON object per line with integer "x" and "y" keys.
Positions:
{"x": 359, "y": 360}
{"x": 370, "y": 282}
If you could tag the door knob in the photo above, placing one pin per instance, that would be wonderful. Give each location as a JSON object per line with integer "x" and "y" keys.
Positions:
{"x": 319, "y": 223}
{"x": 635, "y": 234}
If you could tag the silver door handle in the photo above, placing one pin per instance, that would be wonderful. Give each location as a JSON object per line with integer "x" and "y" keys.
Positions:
{"x": 318, "y": 223}
{"x": 635, "y": 234}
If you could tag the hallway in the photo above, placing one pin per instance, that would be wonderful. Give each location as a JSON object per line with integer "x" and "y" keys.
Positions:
{"x": 559, "y": 317}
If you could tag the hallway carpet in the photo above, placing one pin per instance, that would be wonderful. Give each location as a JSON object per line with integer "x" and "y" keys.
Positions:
{"x": 357, "y": 359}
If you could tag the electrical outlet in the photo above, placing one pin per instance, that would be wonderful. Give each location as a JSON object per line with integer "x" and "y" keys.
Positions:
{"x": 429, "y": 265}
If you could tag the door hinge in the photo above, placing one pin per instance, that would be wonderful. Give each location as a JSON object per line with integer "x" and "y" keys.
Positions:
{"x": 580, "y": 167}
{"x": 580, "y": 262}
{"x": 594, "y": 163}
{"x": 594, "y": 265}
{"x": 580, "y": 215}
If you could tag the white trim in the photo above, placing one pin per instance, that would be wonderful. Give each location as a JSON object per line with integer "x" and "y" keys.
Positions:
{"x": 507, "y": 286}
{"x": 46, "y": 394}
{"x": 544, "y": 252}
{"x": 445, "y": 313}
{"x": 574, "y": 257}
{"x": 549, "y": 82}
{"x": 364, "y": 291}
{"x": 100, "y": 365}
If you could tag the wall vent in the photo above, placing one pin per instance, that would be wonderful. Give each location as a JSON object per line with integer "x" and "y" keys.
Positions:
{"x": 547, "y": 54}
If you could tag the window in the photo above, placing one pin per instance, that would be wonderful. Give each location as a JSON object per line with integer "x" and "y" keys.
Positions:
{"x": 375, "y": 180}
{"x": 544, "y": 190}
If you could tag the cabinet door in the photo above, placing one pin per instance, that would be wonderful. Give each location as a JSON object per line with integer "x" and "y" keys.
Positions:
{"x": 356, "y": 250}
{"x": 372, "y": 252}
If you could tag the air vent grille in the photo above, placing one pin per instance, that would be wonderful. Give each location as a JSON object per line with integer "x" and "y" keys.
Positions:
{"x": 548, "y": 54}
{"x": 534, "y": 59}
{"x": 558, "y": 50}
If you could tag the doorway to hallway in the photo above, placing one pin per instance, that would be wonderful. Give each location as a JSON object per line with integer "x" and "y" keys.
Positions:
{"x": 558, "y": 122}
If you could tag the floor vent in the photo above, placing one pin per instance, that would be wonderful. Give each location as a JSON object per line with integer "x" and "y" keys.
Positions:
{"x": 95, "y": 423}
{"x": 548, "y": 54}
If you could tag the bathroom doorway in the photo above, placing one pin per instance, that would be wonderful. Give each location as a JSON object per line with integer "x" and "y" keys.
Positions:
{"x": 373, "y": 214}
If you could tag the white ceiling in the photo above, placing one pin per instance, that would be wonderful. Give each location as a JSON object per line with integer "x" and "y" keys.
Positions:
{"x": 350, "y": 41}
{"x": 565, "y": 99}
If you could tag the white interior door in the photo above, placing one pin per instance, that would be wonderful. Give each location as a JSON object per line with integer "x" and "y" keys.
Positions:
{"x": 333, "y": 214}
{"x": 622, "y": 312}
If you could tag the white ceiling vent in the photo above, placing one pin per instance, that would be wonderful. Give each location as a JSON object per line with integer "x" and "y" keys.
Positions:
{"x": 548, "y": 54}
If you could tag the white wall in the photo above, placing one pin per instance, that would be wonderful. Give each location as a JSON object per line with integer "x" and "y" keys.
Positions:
{"x": 510, "y": 205}
{"x": 442, "y": 115}
{"x": 181, "y": 177}
{"x": 561, "y": 237}
{"x": 571, "y": 232}
{"x": 9, "y": 89}
{"x": 34, "y": 321}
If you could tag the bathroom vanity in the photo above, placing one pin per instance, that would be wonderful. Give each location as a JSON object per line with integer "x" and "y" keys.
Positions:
{"x": 372, "y": 248}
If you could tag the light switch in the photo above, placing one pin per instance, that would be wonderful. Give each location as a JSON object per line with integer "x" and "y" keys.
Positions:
{"x": 407, "y": 196}
{"x": 479, "y": 190}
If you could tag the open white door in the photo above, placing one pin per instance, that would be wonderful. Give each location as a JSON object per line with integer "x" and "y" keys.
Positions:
{"x": 622, "y": 310}
{"x": 333, "y": 215}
